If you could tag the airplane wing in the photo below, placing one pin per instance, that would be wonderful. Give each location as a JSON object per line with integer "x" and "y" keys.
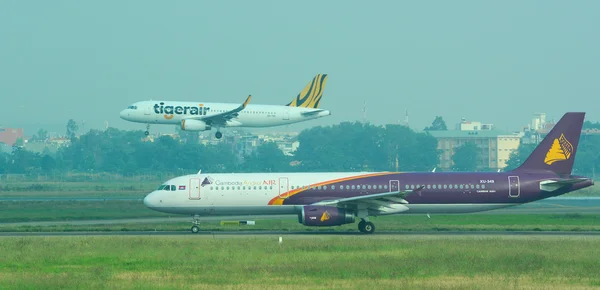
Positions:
{"x": 222, "y": 118}
{"x": 552, "y": 185}
{"x": 386, "y": 202}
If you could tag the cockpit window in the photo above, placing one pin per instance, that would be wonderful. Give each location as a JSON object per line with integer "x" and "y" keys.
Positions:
{"x": 173, "y": 188}
{"x": 167, "y": 188}
{"x": 132, "y": 107}
{"x": 161, "y": 187}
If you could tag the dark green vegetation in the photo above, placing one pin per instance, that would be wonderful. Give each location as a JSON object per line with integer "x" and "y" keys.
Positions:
{"x": 343, "y": 147}
{"x": 357, "y": 262}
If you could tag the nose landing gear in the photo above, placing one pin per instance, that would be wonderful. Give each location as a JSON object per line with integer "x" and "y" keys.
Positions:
{"x": 218, "y": 135}
{"x": 147, "y": 132}
{"x": 195, "y": 228}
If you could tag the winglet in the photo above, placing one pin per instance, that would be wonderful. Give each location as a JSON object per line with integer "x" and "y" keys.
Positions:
{"x": 247, "y": 101}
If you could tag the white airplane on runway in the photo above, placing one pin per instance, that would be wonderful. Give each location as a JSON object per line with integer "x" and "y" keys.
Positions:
{"x": 199, "y": 116}
{"x": 333, "y": 199}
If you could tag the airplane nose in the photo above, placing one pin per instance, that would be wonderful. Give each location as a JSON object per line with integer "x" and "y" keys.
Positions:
{"x": 150, "y": 200}
{"x": 124, "y": 114}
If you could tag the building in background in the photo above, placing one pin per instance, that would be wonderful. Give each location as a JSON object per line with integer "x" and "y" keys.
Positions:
{"x": 9, "y": 136}
{"x": 495, "y": 146}
{"x": 465, "y": 125}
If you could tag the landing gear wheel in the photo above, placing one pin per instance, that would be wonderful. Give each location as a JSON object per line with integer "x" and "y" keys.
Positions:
{"x": 146, "y": 133}
{"x": 361, "y": 226}
{"x": 218, "y": 135}
{"x": 369, "y": 228}
{"x": 195, "y": 229}
{"x": 366, "y": 227}
{"x": 147, "y": 130}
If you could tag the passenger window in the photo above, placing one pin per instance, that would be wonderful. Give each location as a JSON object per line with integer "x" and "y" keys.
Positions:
{"x": 434, "y": 186}
{"x": 385, "y": 186}
{"x": 428, "y": 186}
{"x": 347, "y": 186}
{"x": 477, "y": 186}
{"x": 461, "y": 186}
{"x": 364, "y": 187}
{"x": 472, "y": 186}
{"x": 483, "y": 186}
{"x": 353, "y": 186}
{"x": 227, "y": 188}
{"x": 333, "y": 187}
{"x": 445, "y": 186}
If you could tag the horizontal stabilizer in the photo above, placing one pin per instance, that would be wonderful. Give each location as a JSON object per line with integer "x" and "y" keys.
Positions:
{"x": 312, "y": 113}
{"x": 552, "y": 185}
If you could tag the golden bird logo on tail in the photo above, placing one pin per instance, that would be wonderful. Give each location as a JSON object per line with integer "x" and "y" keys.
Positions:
{"x": 560, "y": 150}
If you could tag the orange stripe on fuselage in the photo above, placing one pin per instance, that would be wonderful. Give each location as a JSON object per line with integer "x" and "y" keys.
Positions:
{"x": 279, "y": 200}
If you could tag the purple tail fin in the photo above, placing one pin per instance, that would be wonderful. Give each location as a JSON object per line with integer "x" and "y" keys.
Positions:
{"x": 556, "y": 152}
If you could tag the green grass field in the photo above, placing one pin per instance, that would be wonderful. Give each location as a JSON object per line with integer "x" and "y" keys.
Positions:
{"x": 362, "y": 262}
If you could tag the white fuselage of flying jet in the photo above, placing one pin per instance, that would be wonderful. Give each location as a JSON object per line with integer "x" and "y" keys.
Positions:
{"x": 167, "y": 112}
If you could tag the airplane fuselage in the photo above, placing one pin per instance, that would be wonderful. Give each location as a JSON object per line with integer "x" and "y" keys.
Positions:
{"x": 173, "y": 112}
{"x": 286, "y": 193}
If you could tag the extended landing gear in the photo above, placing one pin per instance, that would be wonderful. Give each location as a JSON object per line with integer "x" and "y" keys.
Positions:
{"x": 218, "y": 135}
{"x": 195, "y": 228}
{"x": 147, "y": 132}
{"x": 366, "y": 227}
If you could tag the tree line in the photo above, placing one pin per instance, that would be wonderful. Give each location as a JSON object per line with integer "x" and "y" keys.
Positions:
{"x": 343, "y": 147}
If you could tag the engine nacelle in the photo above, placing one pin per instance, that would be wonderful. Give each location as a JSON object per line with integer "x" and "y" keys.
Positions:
{"x": 194, "y": 125}
{"x": 324, "y": 216}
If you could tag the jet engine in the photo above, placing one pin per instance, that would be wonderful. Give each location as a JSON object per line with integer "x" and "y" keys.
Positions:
{"x": 194, "y": 125}
{"x": 323, "y": 216}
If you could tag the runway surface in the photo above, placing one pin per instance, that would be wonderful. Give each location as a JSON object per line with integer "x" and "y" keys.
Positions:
{"x": 225, "y": 234}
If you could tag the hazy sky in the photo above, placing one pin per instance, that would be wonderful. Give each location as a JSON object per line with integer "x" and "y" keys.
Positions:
{"x": 493, "y": 62}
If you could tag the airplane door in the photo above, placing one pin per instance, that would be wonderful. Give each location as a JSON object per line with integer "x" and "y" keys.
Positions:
{"x": 286, "y": 114}
{"x": 283, "y": 186}
{"x": 147, "y": 110}
{"x": 394, "y": 185}
{"x": 514, "y": 188}
{"x": 195, "y": 188}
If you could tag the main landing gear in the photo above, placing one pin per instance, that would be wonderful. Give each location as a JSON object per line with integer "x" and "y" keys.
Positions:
{"x": 218, "y": 135}
{"x": 195, "y": 228}
{"x": 147, "y": 130}
{"x": 365, "y": 226}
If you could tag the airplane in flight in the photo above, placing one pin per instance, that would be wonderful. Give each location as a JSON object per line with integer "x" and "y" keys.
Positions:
{"x": 332, "y": 199}
{"x": 200, "y": 116}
